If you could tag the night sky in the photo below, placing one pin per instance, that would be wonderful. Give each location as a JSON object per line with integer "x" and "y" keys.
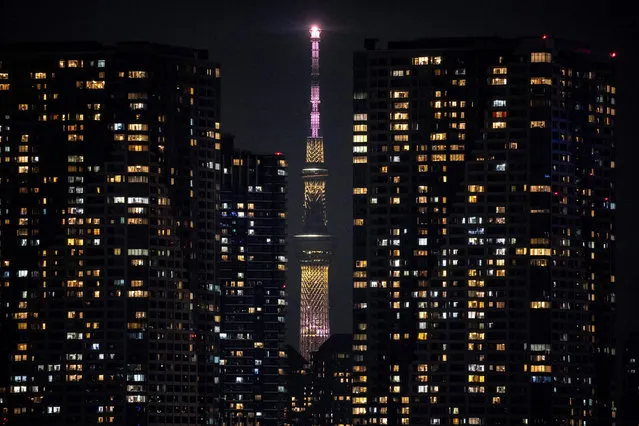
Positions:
{"x": 264, "y": 51}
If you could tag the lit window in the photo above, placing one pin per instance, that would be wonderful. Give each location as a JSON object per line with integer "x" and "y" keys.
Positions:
{"x": 399, "y": 94}
{"x": 541, "y": 80}
{"x": 138, "y": 74}
{"x": 94, "y": 85}
{"x": 540, "y": 252}
{"x": 539, "y": 188}
{"x": 540, "y": 57}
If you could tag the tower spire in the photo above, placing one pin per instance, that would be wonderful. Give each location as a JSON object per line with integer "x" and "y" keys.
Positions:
{"x": 315, "y": 88}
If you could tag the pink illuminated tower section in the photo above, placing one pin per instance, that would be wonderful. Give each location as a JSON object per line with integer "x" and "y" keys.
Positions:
{"x": 315, "y": 88}
{"x": 314, "y": 244}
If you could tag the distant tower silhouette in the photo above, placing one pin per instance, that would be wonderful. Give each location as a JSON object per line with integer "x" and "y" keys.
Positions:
{"x": 314, "y": 243}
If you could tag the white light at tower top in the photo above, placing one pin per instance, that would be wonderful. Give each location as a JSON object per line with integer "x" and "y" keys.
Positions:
{"x": 315, "y": 31}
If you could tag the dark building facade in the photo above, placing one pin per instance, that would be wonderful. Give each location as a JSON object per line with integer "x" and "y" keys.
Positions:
{"x": 629, "y": 400}
{"x": 330, "y": 389}
{"x": 252, "y": 273}
{"x": 110, "y": 310}
{"x": 298, "y": 382}
{"x": 484, "y": 203}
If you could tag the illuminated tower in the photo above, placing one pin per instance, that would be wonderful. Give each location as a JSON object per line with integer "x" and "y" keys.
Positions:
{"x": 314, "y": 243}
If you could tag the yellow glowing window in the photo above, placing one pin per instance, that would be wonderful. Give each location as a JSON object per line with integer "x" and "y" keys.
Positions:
{"x": 500, "y": 70}
{"x": 537, "y": 124}
{"x": 539, "y": 188}
{"x": 360, "y": 159}
{"x": 399, "y": 116}
{"x": 498, "y": 81}
{"x": 139, "y": 127}
{"x": 499, "y": 125}
{"x": 360, "y": 117}
{"x": 360, "y": 191}
{"x": 540, "y": 305}
{"x": 138, "y": 74}
{"x": 137, "y": 138}
{"x": 94, "y": 84}
{"x": 438, "y": 157}
{"x": 360, "y": 128}
{"x": 540, "y": 252}
{"x": 540, "y": 57}
{"x": 541, "y": 80}
{"x": 398, "y": 94}
{"x": 438, "y": 136}
{"x": 541, "y": 369}
{"x": 360, "y": 138}
{"x": 138, "y": 169}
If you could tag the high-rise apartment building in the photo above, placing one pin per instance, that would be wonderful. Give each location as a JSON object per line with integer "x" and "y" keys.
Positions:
{"x": 314, "y": 243}
{"x": 298, "y": 384}
{"x": 629, "y": 382}
{"x": 330, "y": 388}
{"x": 108, "y": 197}
{"x": 252, "y": 273}
{"x": 484, "y": 203}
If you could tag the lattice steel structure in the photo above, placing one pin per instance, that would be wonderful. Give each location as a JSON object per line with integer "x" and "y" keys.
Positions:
{"x": 314, "y": 243}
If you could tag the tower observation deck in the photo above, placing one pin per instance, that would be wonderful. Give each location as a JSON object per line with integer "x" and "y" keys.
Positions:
{"x": 314, "y": 244}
